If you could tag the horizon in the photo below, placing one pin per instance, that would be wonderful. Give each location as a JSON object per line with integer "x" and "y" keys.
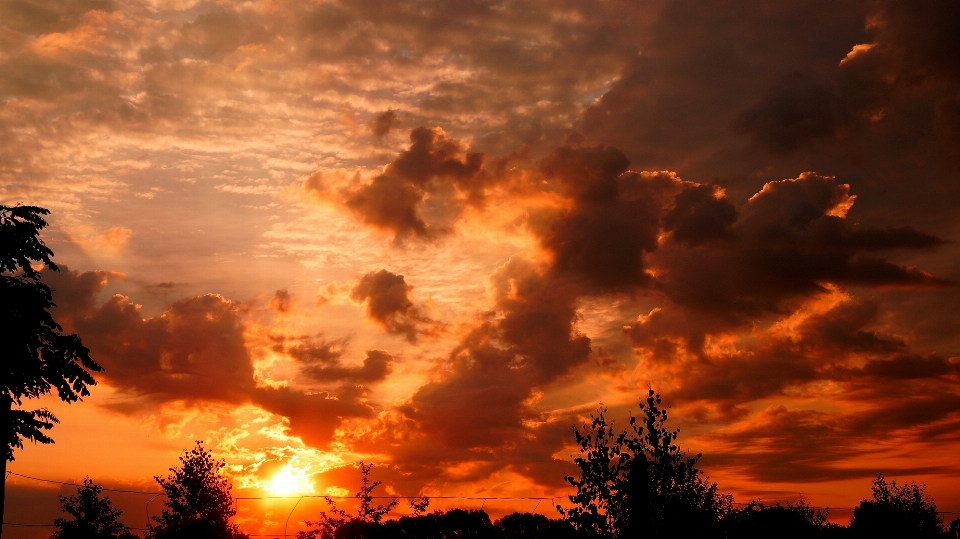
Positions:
{"x": 437, "y": 237}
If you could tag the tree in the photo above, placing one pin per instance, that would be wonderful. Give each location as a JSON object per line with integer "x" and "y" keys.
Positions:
{"x": 791, "y": 521}
{"x": 638, "y": 481}
{"x": 93, "y": 517}
{"x": 896, "y": 511}
{"x": 199, "y": 504}
{"x": 369, "y": 512}
{"x": 37, "y": 356}
{"x": 535, "y": 526}
{"x": 335, "y": 520}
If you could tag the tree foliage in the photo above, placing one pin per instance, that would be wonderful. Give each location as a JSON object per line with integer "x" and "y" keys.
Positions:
{"x": 785, "y": 521}
{"x": 199, "y": 503}
{"x": 93, "y": 516}
{"x": 896, "y": 511}
{"x": 38, "y": 357}
{"x": 368, "y": 511}
{"x": 335, "y": 521}
{"x": 638, "y": 481}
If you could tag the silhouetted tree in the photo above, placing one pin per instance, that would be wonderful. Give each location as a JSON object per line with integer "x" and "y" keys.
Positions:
{"x": 199, "y": 504}
{"x": 37, "y": 356}
{"x": 464, "y": 524}
{"x": 790, "y": 521}
{"x": 419, "y": 505}
{"x": 534, "y": 526}
{"x": 369, "y": 512}
{"x": 336, "y": 520}
{"x": 638, "y": 481}
{"x": 93, "y": 516}
{"x": 896, "y": 511}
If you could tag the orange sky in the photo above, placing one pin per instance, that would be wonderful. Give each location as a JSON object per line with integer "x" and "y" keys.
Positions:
{"x": 436, "y": 235}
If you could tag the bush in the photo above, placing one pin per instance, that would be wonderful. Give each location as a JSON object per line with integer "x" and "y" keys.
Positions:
{"x": 535, "y": 526}
{"x": 790, "y": 521}
{"x": 897, "y": 511}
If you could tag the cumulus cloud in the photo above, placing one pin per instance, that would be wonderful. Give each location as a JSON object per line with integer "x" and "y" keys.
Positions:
{"x": 382, "y": 123}
{"x": 281, "y": 301}
{"x": 479, "y": 409}
{"x": 195, "y": 352}
{"x": 789, "y": 239}
{"x": 434, "y": 166}
{"x": 387, "y": 297}
{"x": 321, "y": 360}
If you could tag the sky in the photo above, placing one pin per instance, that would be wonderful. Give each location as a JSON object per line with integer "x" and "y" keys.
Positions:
{"x": 435, "y": 236}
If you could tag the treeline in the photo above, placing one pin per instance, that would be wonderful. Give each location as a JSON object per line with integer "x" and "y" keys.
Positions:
{"x": 632, "y": 483}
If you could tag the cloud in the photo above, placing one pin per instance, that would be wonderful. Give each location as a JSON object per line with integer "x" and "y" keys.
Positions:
{"x": 787, "y": 241}
{"x": 195, "y": 352}
{"x": 401, "y": 199}
{"x": 281, "y": 301}
{"x": 382, "y": 123}
{"x": 480, "y": 405}
{"x": 110, "y": 241}
{"x": 601, "y": 238}
{"x": 321, "y": 361}
{"x": 387, "y": 297}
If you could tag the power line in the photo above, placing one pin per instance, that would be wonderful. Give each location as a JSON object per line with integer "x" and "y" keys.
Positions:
{"x": 318, "y": 496}
{"x": 80, "y": 485}
{"x": 515, "y": 498}
{"x": 153, "y": 493}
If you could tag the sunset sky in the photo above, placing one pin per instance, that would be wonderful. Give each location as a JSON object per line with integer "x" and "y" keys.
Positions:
{"x": 436, "y": 235}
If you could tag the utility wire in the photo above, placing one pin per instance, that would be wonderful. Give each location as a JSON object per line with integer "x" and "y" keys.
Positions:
{"x": 80, "y": 485}
{"x": 499, "y": 498}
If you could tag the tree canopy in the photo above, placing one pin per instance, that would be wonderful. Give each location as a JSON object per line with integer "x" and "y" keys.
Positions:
{"x": 38, "y": 357}
{"x": 896, "y": 511}
{"x": 638, "y": 481}
{"x": 199, "y": 503}
{"x": 93, "y": 516}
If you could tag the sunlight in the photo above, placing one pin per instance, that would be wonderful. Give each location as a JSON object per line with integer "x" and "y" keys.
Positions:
{"x": 289, "y": 481}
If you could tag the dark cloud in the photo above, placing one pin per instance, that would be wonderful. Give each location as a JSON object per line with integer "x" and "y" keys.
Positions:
{"x": 799, "y": 446}
{"x": 675, "y": 103}
{"x": 923, "y": 37}
{"x": 314, "y": 416}
{"x": 387, "y": 297}
{"x": 906, "y": 367}
{"x": 612, "y": 219}
{"x": 381, "y": 124}
{"x": 435, "y": 165}
{"x": 195, "y": 352}
{"x": 788, "y": 240}
{"x": 839, "y": 343}
{"x": 700, "y": 214}
{"x": 481, "y": 403}
{"x": 322, "y": 361}
{"x": 281, "y": 301}
{"x": 797, "y": 112}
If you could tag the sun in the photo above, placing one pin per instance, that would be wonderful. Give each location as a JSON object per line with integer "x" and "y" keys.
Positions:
{"x": 289, "y": 481}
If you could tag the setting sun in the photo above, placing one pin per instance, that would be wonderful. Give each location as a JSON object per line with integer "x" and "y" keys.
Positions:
{"x": 289, "y": 481}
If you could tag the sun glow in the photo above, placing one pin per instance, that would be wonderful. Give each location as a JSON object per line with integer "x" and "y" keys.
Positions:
{"x": 290, "y": 480}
